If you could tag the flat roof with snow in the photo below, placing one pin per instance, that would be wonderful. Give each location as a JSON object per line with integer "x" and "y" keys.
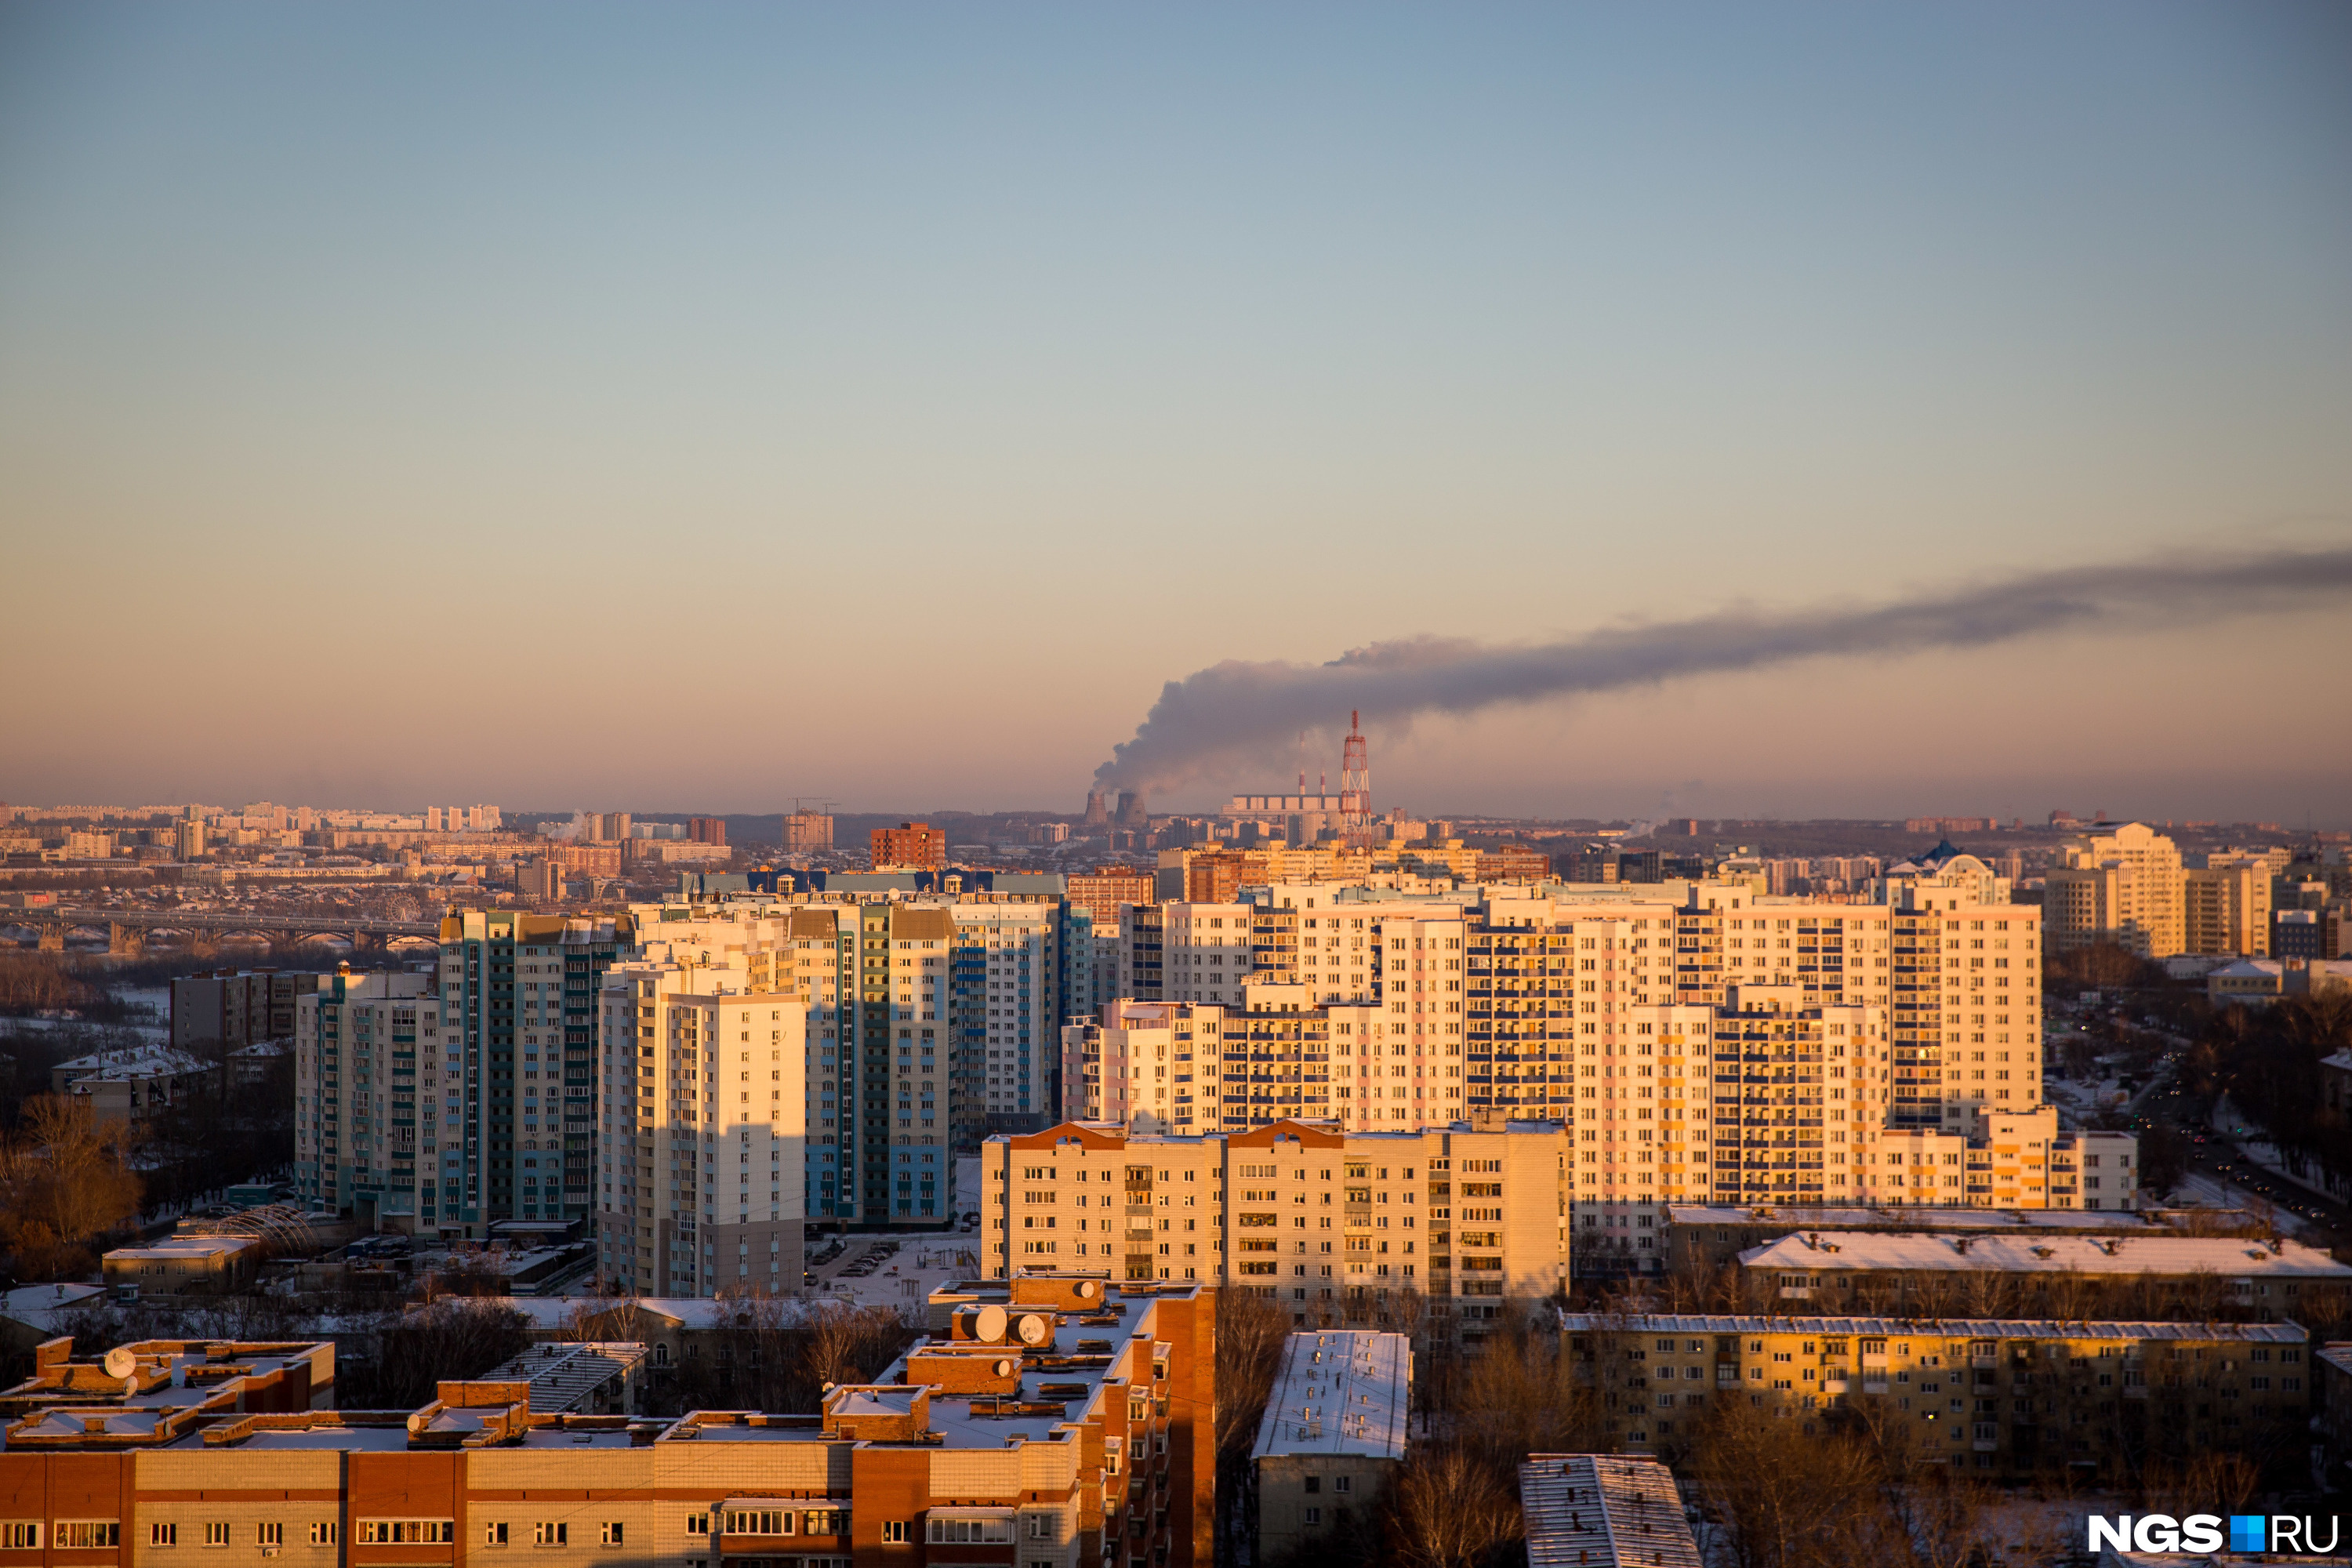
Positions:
{"x": 1829, "y": 1251}
{"x": 1926, "y": 1328}
{"x": 1897, "y": 1216}
{"x": 1340, "y": 1391}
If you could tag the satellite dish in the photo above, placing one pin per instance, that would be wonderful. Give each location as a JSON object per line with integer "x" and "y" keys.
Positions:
{"x": 1004, "y": 1367}
{"x": 120, "y": 1362}
{"x": 1034, "y": 1330}
{"x": 1086, "y": 1291}
{"x": 989, "y": 1327}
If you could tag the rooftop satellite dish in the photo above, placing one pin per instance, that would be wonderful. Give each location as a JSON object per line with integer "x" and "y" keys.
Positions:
{"x": 1034, "y": 1330}
{"x": 990, "y": 1325}
{"x": 1004, "y": 1367}
{"x": 1086, "y": 1291}
{"x": 120, "y": 1362}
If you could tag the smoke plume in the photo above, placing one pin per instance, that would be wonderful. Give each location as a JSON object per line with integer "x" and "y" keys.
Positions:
{"x": 1240, "y": 711}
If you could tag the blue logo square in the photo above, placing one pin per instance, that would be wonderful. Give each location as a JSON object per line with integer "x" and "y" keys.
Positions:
{"x": 2247, "y": 1532}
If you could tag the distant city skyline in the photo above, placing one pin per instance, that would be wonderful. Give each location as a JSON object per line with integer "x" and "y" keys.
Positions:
{"x": 726, "y": 406}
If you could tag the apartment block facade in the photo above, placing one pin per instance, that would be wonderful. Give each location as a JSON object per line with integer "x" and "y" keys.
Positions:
{"x": 1296, "y": 1211}
{"x": 1050, "y": 1424}
{"x": 516, "y": 1119}
{"x": 235, "y": 1008}
{"x": 2014, "y": 1397}
{"x": 2118, "y": 883}
{"x": 927, "y": 1024}
{"x": 370, "y": 1060}
{"x": 703, "y": 1146}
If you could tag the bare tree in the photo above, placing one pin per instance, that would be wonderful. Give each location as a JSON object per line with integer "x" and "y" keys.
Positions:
{"x": 65, "y": 1185}
{"x": 1787, "y": 1499}
{"x": 1448, "y": 1508}
{"x": 456, "y": 1338}
{"x": 851, "y": 1344}
{"x": 1251, "y": 1334}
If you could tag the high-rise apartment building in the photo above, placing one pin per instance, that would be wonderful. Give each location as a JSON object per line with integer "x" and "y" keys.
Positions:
{"x": 2119, "y": 883}
{"x": 703, "y": 1145}
{"x": 931, "y": 1023}
{"x": 371, "y": 1056}
{"x": 1695, "y": 1038}
{"x": 806, "y": 831}
{"x": 706, "y": 829}
{"x": 1101, "y": 891}
{"x": 910, "y": 845}
{"x": 2225, "y": 905}
{"x": 1198, "y": 1067}
{"x": 512, "y": 1129}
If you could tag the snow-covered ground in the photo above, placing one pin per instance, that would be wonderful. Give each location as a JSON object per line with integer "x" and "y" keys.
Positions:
{"x": 2082, "y": 1096}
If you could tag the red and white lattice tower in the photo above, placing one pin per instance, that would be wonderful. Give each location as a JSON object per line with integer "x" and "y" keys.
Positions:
{"x": 1355, "y": 787}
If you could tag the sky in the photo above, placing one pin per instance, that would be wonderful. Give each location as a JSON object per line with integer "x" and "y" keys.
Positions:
{"x": 705, "y": 406}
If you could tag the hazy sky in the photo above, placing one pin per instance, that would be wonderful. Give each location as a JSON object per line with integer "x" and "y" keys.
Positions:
{"x": 697, "y": 407}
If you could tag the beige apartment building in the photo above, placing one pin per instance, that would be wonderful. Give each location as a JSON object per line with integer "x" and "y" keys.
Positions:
{"x": 703, "y": 1141}
{"x": 2014, "y": 1397}
{"x": 1333, "y": 1434}
{"x": 2225, "y": 904}
{"x": 1302, "y": 1213}
{"x": 2118, "y": 883}
{"x": 1710, "y": 1045}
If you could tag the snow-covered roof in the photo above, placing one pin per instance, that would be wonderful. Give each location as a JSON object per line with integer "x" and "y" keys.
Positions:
{"x": 1821, "y": 1252}
{"x": 1926, "y": 1328}
{"x": 1341, "y": 1391}
{"x": 1608, "y": 1510}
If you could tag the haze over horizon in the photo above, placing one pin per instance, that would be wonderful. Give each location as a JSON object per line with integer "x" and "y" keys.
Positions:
{"x": 726, "y": 406}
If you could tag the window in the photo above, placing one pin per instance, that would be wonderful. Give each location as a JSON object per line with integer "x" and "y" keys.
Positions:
{"x": 270, "y": 1534}
{"x": 894, "y": 1531}
{"x": 1314, "y": 1516}
{"x": 492, "y": 1535}
{"x": 697, "y": 1524}
{"x": 415, "y": 1532}
{"x": 549, "y": 1532}
{"x": 972, "y": 1531}
{"x": 759, "y": 1521}
{"x": 1343, "y": 1483}
{"x": 609, "y": 1533}
{"x": 157, "y": 1535}
{"x": 86, "y": 1534}
{"x": 1041, "y": 1527}
{"x": 216, "y": 1534}
{"x": 327, "y": 1533}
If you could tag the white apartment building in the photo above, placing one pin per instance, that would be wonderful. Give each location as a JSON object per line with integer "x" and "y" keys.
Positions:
{"x": 1716, "y": 1042}
{"x": 1205, "y": 952}
{"x": 703, "y": 1139}
{"x": 1303, "y": 1213}
{"x": 2118, "y": 883}
{"x": 1170, "y": 1067}
{"x": 2225, "y": 905}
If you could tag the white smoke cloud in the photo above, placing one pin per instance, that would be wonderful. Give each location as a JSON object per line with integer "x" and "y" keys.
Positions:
{"x": 1241, "y": 711}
